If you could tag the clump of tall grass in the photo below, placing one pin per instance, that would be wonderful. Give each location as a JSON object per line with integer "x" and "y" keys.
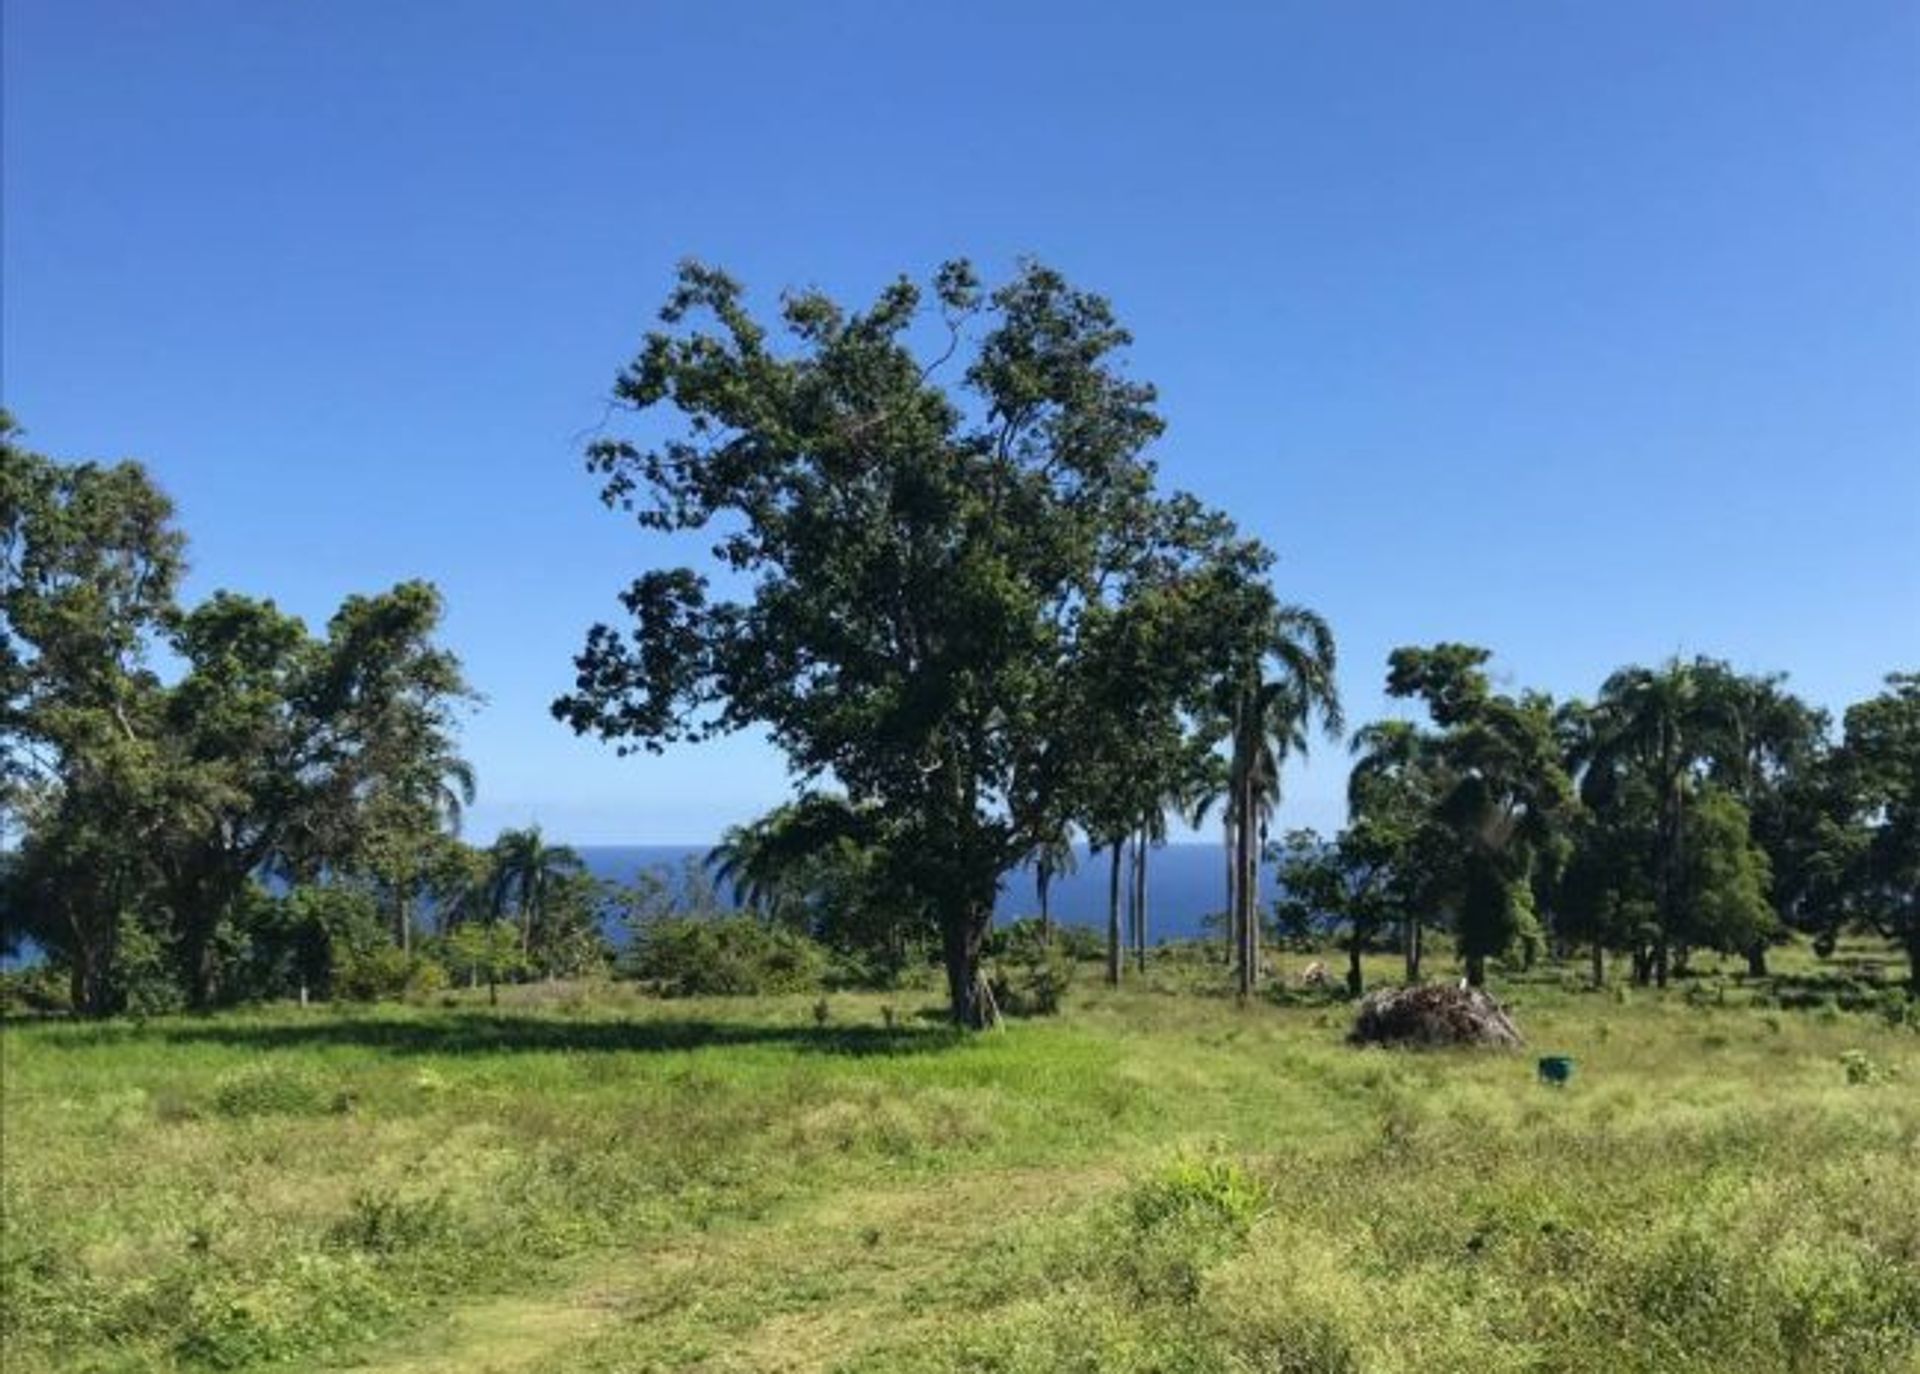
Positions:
{"x": 273, "y": 1089}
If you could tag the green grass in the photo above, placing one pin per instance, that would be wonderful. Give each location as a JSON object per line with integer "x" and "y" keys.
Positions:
{"x": 1155, "y": 1180}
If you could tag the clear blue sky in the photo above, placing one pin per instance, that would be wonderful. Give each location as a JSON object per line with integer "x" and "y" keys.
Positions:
{"x": 1587, "y": 332}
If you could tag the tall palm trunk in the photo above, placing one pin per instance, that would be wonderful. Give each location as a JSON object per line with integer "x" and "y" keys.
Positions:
{"x": 1246, "y": 918}
{"x": 1227, "y": 844}
{"x": 1113, "y": 916}
{"x": 1140, "y": 902}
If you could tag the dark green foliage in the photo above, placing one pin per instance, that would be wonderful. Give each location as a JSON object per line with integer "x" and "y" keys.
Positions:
{"x": 930, "y": 567}
{"x": 149, "y": 809}
{"x": 1354, "y": 881}
{"x": 1873, "y": 845}
{"x": 529, "y": 884}
{"x": 830, "y": 871}
{"x": 692, "y": 956}
{"x": 1498, "y": 798}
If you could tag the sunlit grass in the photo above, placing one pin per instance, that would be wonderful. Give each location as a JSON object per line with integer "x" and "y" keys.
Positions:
{"x": 1155, "y": 1180}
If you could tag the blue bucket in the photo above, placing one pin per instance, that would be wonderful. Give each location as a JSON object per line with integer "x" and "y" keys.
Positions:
{"x": 1556, "y": 1069}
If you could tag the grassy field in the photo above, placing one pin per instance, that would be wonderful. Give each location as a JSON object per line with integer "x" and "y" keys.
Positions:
{"x": 1154, "y": 1180}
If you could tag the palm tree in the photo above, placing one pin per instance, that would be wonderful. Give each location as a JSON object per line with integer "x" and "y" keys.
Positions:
{"x": 525, "y": 871}
{"x": 1053, "y": 858}
{"x": 1212, "y": 786}
{"x": 1190, "y": 796}
{"x": 742, "y": 863}
{"x": 766, "y": 862}
{"x": 1269, "y": 720}
{"x": 1396, "y": 769}
{"x": 1664, "y": 724}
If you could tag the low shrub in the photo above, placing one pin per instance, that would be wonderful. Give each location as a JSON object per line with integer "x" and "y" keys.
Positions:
{"x": 1208, "y": 1185}
{"x": 380, "y": 1222}
{"x": 38, "y": 990}
{"x": 695, "y": 956}
{"x": 1032, "y": 971}
{"x": 271, "y": 1090}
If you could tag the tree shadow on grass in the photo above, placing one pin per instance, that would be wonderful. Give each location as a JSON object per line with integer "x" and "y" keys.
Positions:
{"x": 459, "y": 1033}
{"x": 1848, "y": 989}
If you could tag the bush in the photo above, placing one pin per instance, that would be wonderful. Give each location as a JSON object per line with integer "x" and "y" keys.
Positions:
{"x": 38, "y": 990}
{"x": 693, "y": 956}
{"x": 270, "y": 1090}
{"x": 426, "y": 979}
{"x": 384, "y": 1223}
{"x": 1183, "y": 1218}
{"x": 363, "y": 974}
{"x": 1213, "y": 1186}
{"x": 1032, "y": 971}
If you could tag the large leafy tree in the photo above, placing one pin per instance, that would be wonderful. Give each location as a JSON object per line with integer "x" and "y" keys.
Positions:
{"x": 152, "y": 806}
{"x": 1879, "y": 767}
{"x": 1351, "y": 879}
{"x": 397, "y": 778}
{"x": 1393, "y": 795}
{"x": 89, "y": 561}
{"x": 300, "y": 754}
{"x": 1144, "y": 731}
{"x": 909, "y": 569}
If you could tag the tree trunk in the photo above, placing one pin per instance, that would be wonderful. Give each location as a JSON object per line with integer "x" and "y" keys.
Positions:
{"x": 1476, "y": 970}
{"x": 1114, "y": 952}
{"x": 1672, "y": 835}
{"x": 1252, "y": 900}
{"x": 83, "y": 983}
{"x": 1412, "y": 949}
{"x": 1046, "y": 915}
{"x": 1913, "y": 956}
{"x": 197, "y": 959}
{"x": 1246, "y": 917}
{"x": 1354, "y": 982}
{"x": 1757, "y": 959}
{"x": 1140, "y": 903}
{"x": 1230, "y": 846}
{"x": 963, "y": 929}
{"x": 1599, "y": 965}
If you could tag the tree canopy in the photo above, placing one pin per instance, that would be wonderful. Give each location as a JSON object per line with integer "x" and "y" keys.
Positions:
{"x": 925, "y": 517}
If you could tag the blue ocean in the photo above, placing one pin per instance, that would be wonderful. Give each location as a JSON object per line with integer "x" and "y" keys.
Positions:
{"x": 1185, "y": 884}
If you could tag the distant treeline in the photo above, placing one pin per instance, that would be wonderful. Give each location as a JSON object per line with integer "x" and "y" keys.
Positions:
{"x": 981, "y": 634}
